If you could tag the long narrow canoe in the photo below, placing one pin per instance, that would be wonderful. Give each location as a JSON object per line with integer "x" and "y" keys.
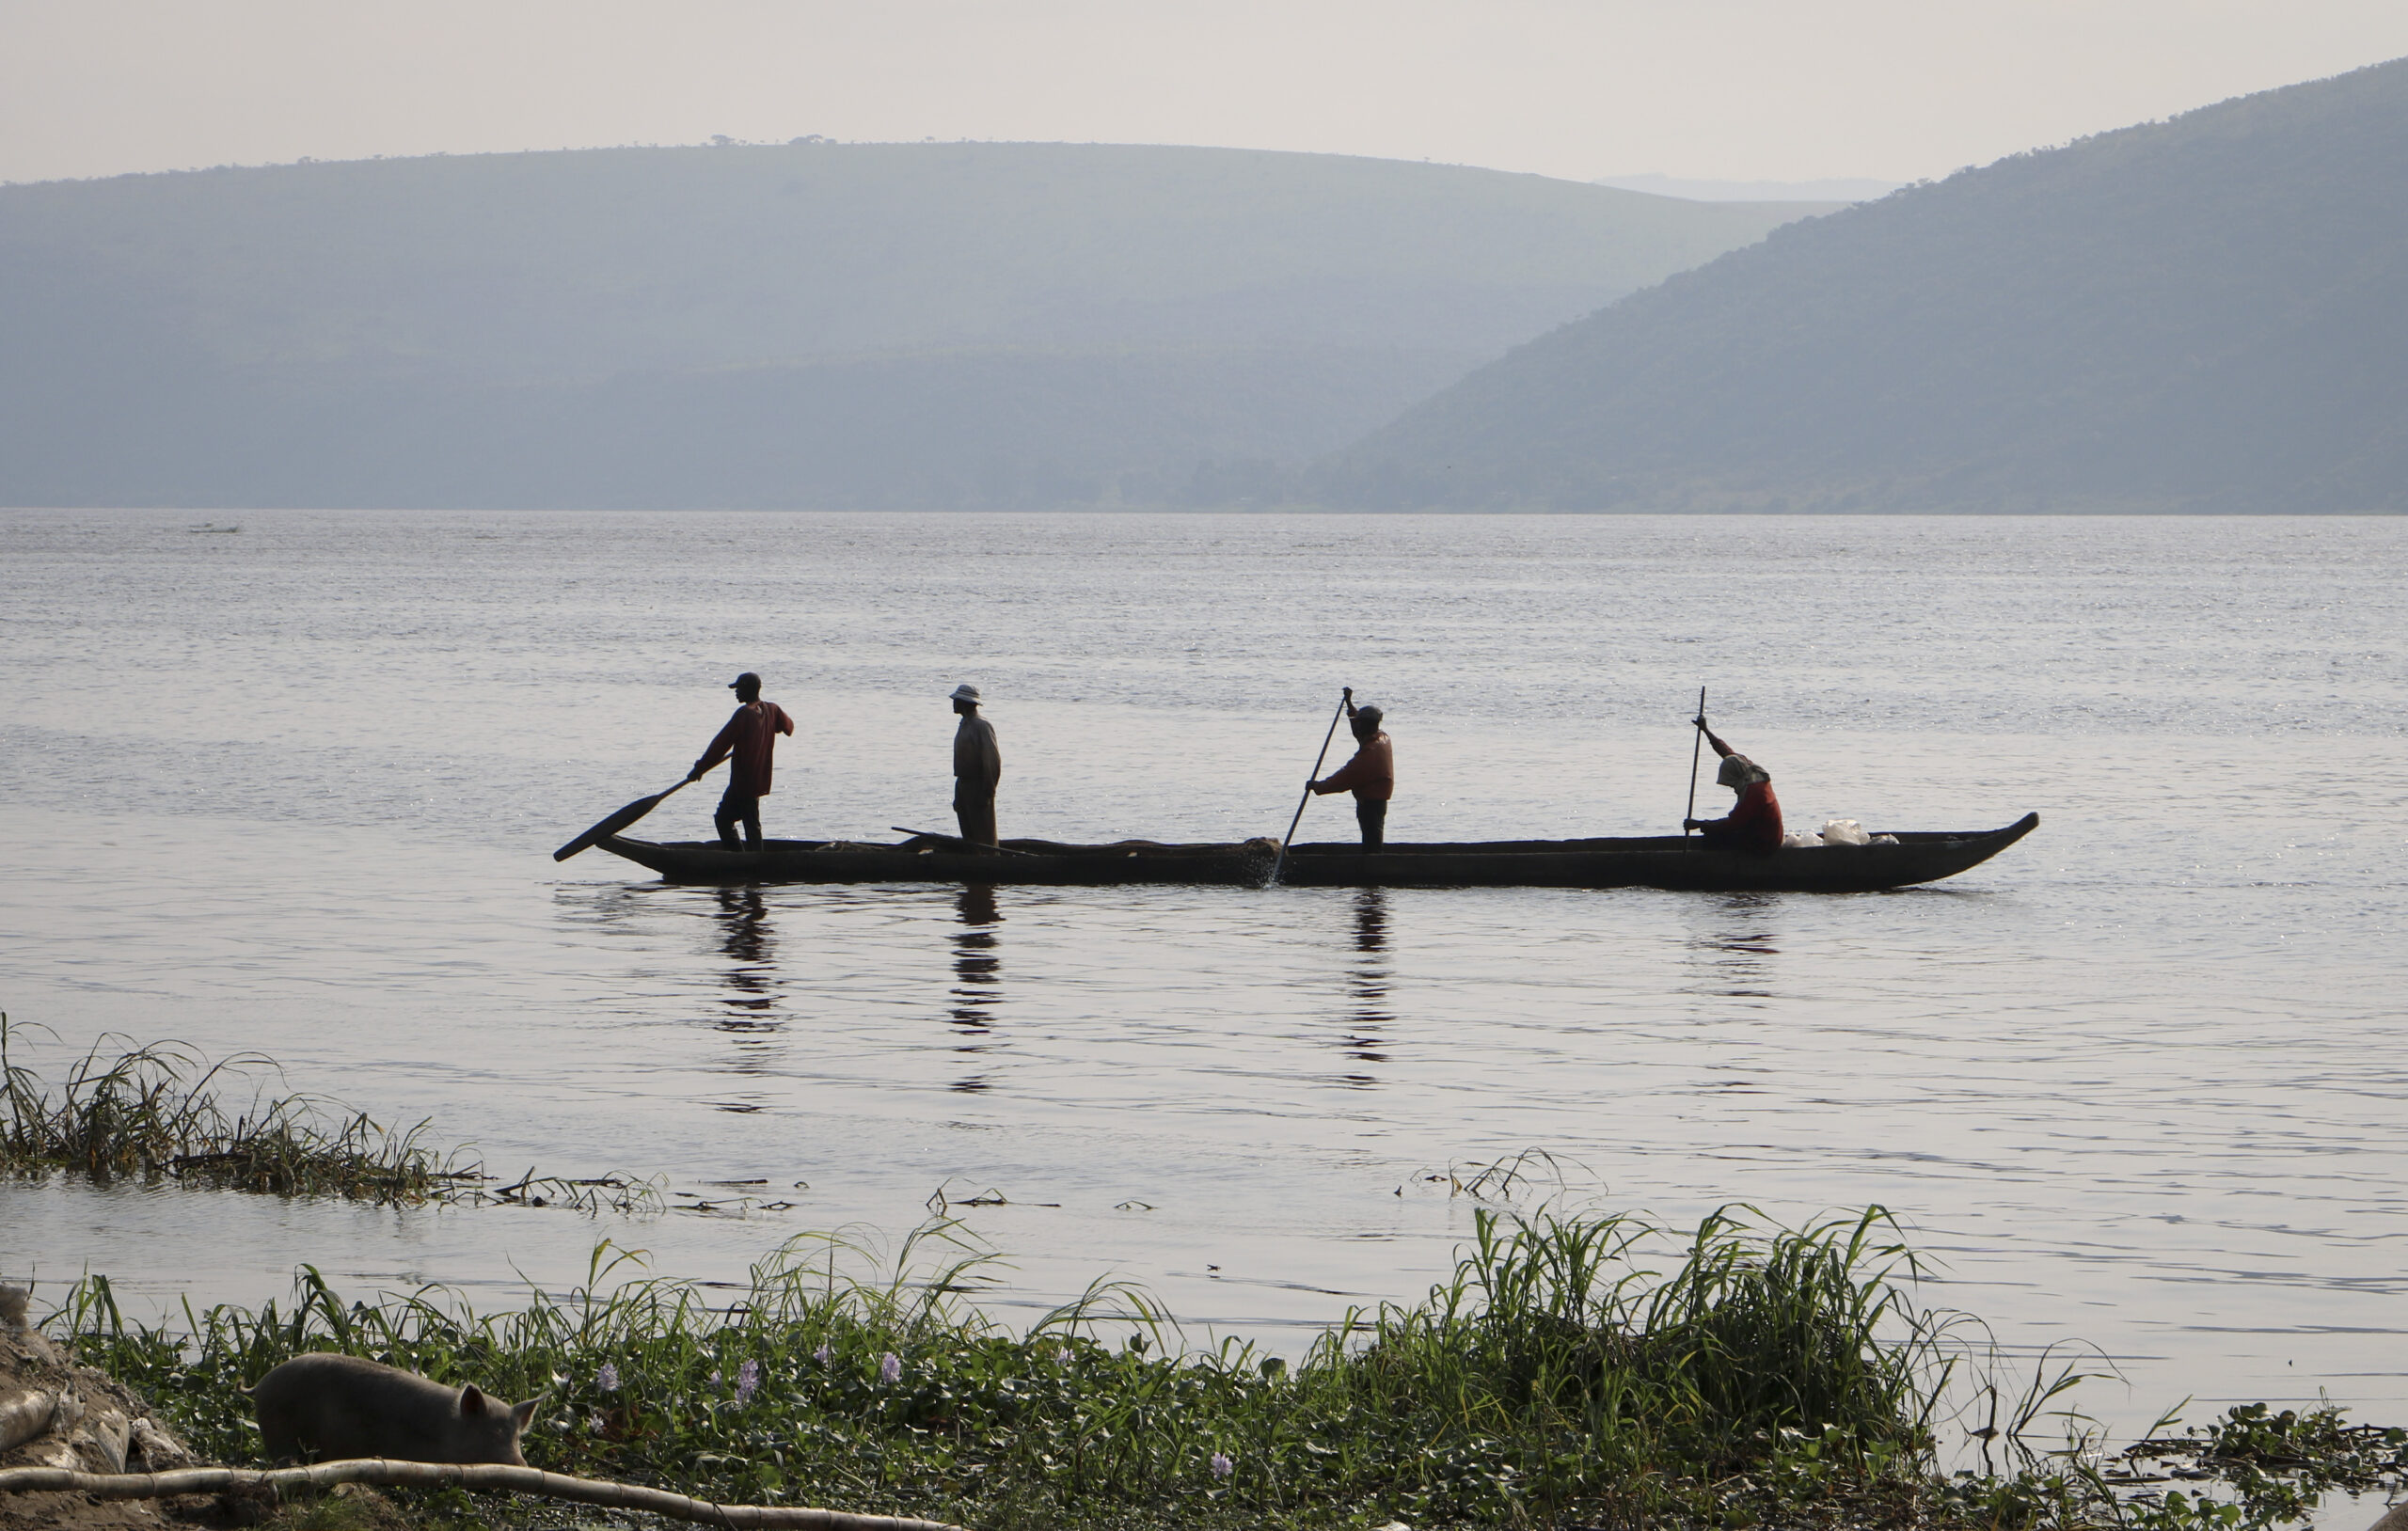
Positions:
{"x": 1649, "y": 862}
{"x": 1674, "y": 861}
{"x": 944, "y": 859}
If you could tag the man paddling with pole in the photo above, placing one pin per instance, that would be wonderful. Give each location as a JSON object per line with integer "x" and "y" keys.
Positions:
{"x": 1371, "y": 775}
{"x": 745, "y": 744}
{"x": 1754, "y": 821}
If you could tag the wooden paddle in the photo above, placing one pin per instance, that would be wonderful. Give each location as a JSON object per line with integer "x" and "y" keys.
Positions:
{"x": 615, "y": 823}
{"x": 971, "y": 847}
{"x": 1697, "y": 746}
{"x": 1346, "y": 694}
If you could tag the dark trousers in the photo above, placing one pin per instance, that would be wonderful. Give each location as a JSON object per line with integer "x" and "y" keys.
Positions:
{"x": 738, "y": 807}
{"x": 1372, "y": 815}
{"x": 973, "y": 805}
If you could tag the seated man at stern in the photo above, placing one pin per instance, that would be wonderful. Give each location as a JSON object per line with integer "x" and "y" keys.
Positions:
{"x": 1754, "y": 821}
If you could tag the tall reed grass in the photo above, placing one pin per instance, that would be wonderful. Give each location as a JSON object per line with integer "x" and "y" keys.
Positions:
{"x": 1560, "y": 1377}
{"x": 163, "y": 1112}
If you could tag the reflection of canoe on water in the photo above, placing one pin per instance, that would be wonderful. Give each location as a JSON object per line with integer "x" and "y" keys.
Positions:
{"x": 1652, "y": 861}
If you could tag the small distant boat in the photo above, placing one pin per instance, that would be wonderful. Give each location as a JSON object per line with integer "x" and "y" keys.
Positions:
{"x": 1674, "y": 861}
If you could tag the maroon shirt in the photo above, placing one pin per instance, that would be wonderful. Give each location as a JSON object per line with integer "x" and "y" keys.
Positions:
{"x": 745, "y": 743}
{"x": 1755, "y": 823}
{"x": 1372, "y": 773}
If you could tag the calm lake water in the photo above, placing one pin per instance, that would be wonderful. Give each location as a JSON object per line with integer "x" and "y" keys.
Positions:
{"x": 2136, "y": 1083}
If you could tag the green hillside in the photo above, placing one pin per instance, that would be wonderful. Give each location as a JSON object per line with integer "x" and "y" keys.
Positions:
{"x": 2206, "y": 313}
{"x": 814, "y": 324}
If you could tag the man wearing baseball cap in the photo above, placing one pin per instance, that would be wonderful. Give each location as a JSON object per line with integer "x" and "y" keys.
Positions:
{"x": 745, "y": 744}
{"x": 977, "y": 766}
{"x": 1371, "y": 775}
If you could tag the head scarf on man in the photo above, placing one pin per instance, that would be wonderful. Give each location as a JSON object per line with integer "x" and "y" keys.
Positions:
{"x": 1739, "y": 772}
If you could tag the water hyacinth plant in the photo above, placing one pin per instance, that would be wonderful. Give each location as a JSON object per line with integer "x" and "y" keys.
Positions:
{"x": 1557, "y": 1376}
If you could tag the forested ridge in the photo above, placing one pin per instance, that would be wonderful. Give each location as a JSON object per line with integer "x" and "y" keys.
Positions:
{"x": 2205, "y": 313}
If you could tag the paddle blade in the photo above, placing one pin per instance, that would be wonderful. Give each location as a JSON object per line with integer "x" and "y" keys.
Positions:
{"x": 613, "y": 825}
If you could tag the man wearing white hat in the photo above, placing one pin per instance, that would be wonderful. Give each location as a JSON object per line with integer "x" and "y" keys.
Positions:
{"x": 977, "y": 766}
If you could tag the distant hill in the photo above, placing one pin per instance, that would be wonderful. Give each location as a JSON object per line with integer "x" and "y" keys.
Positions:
{"x": 810, "y": 325}
{"x": 1841, "y": 189}
{"x": 2206, "y": 313}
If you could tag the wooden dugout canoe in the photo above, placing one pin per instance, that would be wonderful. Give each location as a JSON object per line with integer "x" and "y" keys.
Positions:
{"x": 941, "y": 858}
{"x": 1674, "y": 861}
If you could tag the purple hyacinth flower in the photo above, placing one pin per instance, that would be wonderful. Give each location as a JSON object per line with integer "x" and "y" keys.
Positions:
{"x": 890, "y": 1368}
{"x": 1221, "y": 1466}
{"x": 607, "y": 1378}
{"x": 823, "y": 1355}
{"x": 748, "y": 1382}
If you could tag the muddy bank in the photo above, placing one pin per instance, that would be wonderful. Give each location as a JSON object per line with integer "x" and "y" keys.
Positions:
{"x": 55, "y": 1413}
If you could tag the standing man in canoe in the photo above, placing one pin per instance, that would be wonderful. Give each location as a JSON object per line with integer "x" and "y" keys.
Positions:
{"x": 1754, "y": 821}
{"x": 1371, "y": 775}
{"x": 745, "y": 744}
{"x": 978, "y": 766}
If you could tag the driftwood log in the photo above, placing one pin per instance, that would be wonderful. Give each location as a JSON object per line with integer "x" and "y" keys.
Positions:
{"x": 383, "y": 1473}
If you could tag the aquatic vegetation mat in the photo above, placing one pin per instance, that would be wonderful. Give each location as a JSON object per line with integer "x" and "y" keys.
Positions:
{"x": 2273, "y": 1466}
{"x": 163, "y": 1112}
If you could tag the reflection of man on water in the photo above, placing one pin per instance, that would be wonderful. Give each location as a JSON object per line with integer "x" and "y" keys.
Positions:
{"x": 1754, "y": 821}
{"x": 978, "y": 766}
{"x": 978, "y": 968}
{"x": 1372, "y": 774}
{"x": 745, "y": 744}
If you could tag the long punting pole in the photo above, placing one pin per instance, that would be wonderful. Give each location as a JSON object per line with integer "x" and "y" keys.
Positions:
{"x": 1346, "y": 694}
{"x": 1696, "y": 743}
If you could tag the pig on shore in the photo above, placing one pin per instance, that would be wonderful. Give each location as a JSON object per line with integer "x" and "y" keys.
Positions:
{"x": 330, "y": 1408}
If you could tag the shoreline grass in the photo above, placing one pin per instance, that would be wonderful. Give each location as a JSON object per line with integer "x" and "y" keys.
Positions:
{"x": 1580, "y": 1372}
{"x": 1571, "y": 1372}
{"x": 1574, "y": 1371}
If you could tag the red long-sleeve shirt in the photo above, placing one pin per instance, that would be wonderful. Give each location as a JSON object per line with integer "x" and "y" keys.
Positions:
{"x": 1372, "y": 773}
{"x": 1755, "y": 823}
{"x": 745, "y": 744}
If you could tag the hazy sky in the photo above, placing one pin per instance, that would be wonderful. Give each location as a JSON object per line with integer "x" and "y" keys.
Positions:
{"x": 1735, "y": 88}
